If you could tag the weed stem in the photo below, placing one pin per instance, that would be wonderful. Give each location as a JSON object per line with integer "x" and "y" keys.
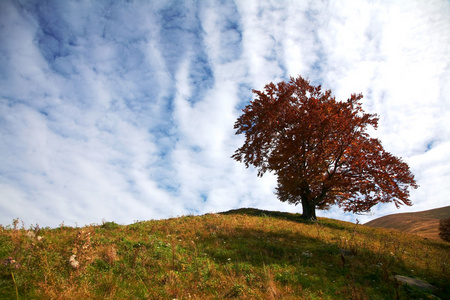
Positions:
{"x": 15, "y": 285}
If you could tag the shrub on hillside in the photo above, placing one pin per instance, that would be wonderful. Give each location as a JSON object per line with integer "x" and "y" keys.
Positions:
{"x": 444, "y": 229}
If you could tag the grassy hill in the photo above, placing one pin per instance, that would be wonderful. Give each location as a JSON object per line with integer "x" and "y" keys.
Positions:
{"x": 241, "y": 254}
{"x": 424, "y": 223}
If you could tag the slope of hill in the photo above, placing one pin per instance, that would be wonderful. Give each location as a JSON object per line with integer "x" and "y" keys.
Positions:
{"x": 423, "y": 223}
{"x": 240, "y": 254}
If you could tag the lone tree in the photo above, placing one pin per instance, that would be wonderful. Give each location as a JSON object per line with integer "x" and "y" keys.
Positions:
{"x": 319, "y": 149}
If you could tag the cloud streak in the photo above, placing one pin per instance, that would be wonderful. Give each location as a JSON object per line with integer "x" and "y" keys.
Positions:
{"x": 124, "y": 111}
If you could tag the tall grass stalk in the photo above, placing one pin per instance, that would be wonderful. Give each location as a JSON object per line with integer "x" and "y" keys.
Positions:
{"x": 15, "y": 285}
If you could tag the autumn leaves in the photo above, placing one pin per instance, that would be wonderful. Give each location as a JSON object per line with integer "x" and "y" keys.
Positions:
{"x": 319, "y": 149}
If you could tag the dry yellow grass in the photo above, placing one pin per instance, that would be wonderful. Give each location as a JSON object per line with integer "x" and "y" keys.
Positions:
{"x": 243, "y": 254}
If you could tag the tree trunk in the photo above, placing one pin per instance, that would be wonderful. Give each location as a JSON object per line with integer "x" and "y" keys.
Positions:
{"x": 309, "y": 210}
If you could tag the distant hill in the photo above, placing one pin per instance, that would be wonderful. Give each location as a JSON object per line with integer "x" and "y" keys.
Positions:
{"x": 423, "y": 223}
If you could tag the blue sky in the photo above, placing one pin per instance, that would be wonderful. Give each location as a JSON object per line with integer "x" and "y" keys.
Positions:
{"x": 124, "y": 110}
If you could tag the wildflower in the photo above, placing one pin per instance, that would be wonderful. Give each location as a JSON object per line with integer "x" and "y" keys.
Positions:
{"x": 307, "y": 254}
{"x": 9, "y": 261}
{"x": 73, "y": 262}
{"x": 31, "y": 234}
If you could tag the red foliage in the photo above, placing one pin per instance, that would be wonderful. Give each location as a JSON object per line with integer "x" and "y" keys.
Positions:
{"x": 319, "y": 149}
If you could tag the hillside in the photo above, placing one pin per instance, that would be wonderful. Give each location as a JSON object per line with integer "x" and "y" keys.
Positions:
{"x": 424, "y": 223}
{"x": 241, "y": 254}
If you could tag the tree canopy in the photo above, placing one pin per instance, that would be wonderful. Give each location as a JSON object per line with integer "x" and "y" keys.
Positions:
{"x": 319, "y": 149}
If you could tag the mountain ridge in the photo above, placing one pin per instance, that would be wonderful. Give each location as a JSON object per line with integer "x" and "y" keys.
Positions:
{"x": 423, "y": 223}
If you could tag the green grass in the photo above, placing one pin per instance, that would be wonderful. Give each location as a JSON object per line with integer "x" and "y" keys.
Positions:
{"x": 241, "y": 254}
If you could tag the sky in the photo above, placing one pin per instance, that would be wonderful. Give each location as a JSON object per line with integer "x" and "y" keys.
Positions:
{"x": 124, "y": 110}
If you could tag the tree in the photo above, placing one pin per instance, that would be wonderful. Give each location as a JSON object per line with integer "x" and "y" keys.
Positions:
{"x": 319, "y": 149}
{"x": 444, "y": 229}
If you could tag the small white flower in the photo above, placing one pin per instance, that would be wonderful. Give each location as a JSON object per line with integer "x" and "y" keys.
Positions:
{"x": 73, "y": 262}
